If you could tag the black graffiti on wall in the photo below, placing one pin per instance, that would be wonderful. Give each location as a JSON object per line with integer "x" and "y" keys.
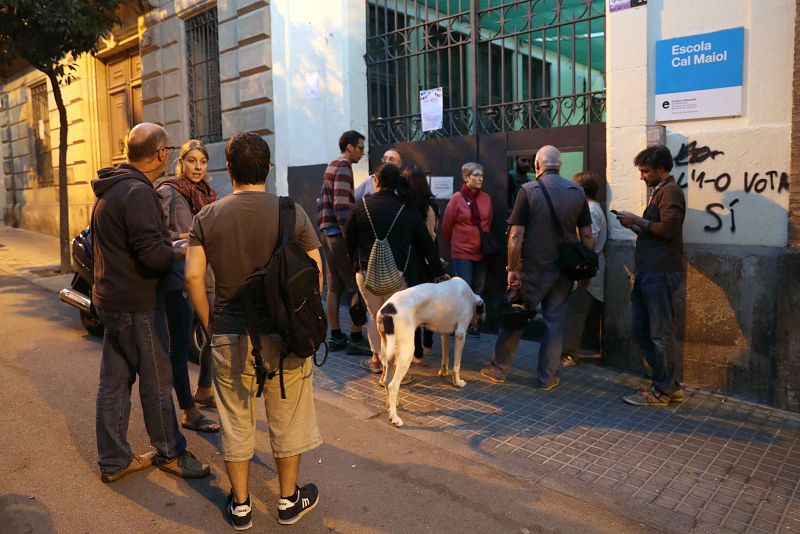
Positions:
{"x": 693, "y": 154}
{"x": 752, "y": 182}
{"x": 712, "y": 208}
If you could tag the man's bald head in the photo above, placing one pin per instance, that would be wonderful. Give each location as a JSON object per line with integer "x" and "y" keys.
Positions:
{"x": 392, "y": 156}
{"x": 548, "y": 157}
{"x": 144, "y": 141}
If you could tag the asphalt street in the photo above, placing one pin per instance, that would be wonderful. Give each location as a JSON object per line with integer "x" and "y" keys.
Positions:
{"x": 372, "y": 477}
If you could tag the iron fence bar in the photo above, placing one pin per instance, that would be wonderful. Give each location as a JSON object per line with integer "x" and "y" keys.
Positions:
{"x": 473, "y": 28}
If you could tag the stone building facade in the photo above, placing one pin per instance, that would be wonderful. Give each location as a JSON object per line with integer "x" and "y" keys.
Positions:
{"x": 301, "y": 72}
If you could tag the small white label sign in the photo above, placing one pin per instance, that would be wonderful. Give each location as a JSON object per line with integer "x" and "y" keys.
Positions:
{"x": 442, "y": 186}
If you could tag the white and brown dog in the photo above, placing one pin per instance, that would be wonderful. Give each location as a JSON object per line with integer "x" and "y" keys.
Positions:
{"x": 445, "y": 308}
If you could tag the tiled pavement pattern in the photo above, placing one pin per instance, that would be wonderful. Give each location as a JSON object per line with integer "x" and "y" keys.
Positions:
{"x": 726, "y": 463}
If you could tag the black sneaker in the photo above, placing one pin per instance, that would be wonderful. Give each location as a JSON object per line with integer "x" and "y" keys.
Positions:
{"x": 240, "y": 514}
{"x": 473, "y": 331}
{"x": 359, "y": 348}
{"x": 336, "y": 344}
{"x": 290, "y": 512}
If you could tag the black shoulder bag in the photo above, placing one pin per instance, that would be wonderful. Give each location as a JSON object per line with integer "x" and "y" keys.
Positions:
{"x": 576, "y": 261}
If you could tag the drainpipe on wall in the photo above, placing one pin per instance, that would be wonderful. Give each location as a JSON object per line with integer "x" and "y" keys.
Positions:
{"x": 794, "y": 187}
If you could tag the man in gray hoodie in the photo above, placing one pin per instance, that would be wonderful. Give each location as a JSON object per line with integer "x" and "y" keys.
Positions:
{"x": 131, "y": 252}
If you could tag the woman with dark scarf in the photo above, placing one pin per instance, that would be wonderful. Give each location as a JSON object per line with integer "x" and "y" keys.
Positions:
{"x": 181, "y": 198}
{"x": 468, "y": 210}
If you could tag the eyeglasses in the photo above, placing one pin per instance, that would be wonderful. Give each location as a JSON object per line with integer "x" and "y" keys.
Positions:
{"x": 360, "y": 147}
{"x": 168, "y": 148}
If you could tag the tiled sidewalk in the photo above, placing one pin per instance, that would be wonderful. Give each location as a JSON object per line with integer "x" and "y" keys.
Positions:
{"x": 728, "y": 464}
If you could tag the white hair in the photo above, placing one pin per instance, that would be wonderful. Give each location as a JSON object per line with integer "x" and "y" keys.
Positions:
{"x": 548, "y": 157}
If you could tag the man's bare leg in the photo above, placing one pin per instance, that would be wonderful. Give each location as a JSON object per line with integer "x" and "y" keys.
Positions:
{"x": 238, "y": 473}
{"x": 287, "y": 474}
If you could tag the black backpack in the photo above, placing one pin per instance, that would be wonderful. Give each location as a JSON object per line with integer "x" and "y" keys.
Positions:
{"x": 289, "y": 285}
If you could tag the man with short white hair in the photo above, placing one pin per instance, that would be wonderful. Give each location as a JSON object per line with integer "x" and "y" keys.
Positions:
{"x": 533, "y": 271}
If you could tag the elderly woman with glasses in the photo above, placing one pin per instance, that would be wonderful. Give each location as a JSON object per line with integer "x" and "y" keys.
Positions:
{"x": 467, "y": 214}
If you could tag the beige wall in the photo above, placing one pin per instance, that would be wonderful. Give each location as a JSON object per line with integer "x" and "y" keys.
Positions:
{"x": 245, "y": 73}
{"x": 159, "y": 36}
{"x": 756, "y": 142}
{"x": 28, "y": 204}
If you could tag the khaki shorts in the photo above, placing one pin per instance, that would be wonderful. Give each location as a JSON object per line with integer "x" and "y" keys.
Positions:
{"x": 338, "y": 267}
{"x": 292, "y": 421}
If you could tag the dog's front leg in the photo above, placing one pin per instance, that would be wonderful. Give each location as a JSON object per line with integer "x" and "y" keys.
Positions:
{"x": 443, "y": 370}
{"x": 457, "y": 350}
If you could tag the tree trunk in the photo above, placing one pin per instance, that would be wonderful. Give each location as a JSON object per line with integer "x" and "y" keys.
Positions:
{"x": 63, "y": 202}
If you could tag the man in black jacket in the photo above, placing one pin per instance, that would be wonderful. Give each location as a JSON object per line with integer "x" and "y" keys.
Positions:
{"x": 131, "y": 252}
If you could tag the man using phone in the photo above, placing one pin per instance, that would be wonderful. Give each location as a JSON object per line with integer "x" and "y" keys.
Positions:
{"x": 659, "y": 273}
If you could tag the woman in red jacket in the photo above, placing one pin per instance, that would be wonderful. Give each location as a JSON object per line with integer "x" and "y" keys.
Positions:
{"x": 466, "y": 211}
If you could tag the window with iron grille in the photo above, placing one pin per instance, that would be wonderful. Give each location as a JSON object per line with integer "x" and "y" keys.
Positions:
{"x": 41, "y": 135}
{"x": 503, "y": 66}
{"x": 202, "y": 50}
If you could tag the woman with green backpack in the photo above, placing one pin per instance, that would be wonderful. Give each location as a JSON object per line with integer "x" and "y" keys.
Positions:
{"x": 384, "y": 234}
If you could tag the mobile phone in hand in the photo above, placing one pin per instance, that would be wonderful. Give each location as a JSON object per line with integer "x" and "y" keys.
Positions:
{"x": 615, "y": 212}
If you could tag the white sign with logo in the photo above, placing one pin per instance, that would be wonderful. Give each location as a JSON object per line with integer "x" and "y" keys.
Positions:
{"x": 618, "y": 5}
{"x": 700, "y": 76}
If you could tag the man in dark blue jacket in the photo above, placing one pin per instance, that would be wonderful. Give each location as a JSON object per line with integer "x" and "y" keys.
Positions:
{"x": 131, "y": 252}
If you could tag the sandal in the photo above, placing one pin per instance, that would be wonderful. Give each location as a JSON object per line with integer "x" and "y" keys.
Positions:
{"x": 369, "y": 366}
{"x": 201, "y": 423}
{"x": 419, "y": 362}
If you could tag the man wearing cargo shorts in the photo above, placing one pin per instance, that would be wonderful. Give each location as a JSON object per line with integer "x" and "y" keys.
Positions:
{"x": 236, "y": 235}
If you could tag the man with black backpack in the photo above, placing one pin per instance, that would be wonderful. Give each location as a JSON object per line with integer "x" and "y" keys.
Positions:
{"x": 238, "y": 236}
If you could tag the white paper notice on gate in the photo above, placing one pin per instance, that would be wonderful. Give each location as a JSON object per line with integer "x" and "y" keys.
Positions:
{"x": 442, "y": 186}
{"x": 431, "y": 105}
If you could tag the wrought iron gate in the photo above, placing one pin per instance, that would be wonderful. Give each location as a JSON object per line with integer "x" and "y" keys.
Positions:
{"x": 515, "y": 75}
{"x": 503, "y": 65}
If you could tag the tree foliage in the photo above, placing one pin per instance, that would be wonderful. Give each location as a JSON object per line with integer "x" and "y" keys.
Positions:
{"x": 50, "y": 34}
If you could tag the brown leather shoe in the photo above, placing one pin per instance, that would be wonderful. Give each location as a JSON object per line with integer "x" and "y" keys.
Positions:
{"x": 138, "y": 462}
{"x": 185, "y": 466}
{"x": 494, "y": 375}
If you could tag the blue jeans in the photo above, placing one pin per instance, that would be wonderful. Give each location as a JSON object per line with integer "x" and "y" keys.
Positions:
{"x": 134, "y": 344}
{"x": 552, "y": 290}
{"x": 653, "y": 324}
{"x": 179, "y": 320}
{"x": 473, "y": 272}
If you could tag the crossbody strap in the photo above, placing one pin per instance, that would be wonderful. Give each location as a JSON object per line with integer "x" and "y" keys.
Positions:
{"x": 553, "y": 216}
{"x": 364, "y": 201}
{"x": 408, "y": 256}
{"x": 469, "y": 205}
